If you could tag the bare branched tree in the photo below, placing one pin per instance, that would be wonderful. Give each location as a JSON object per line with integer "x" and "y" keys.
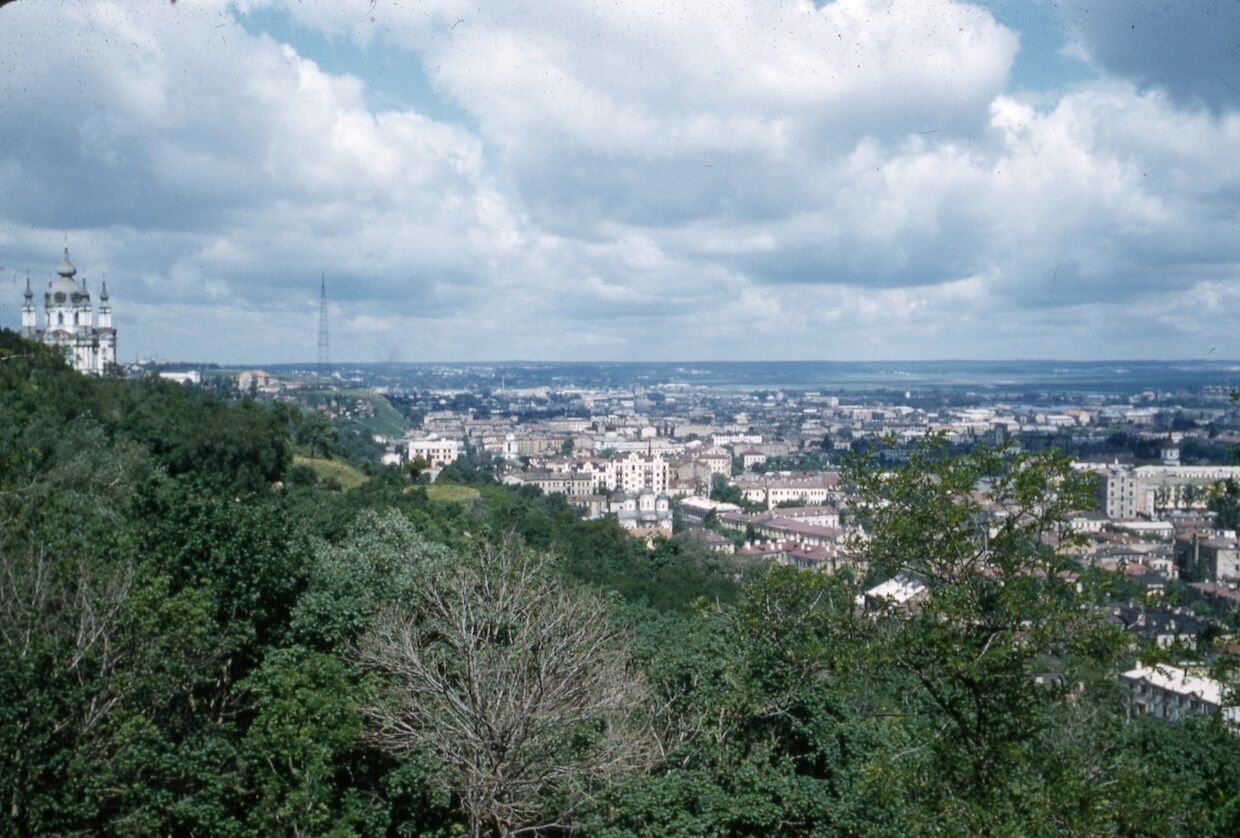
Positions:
{"x": 521, "y": 685}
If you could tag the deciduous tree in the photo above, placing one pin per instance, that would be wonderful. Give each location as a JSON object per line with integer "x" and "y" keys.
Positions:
{"x": 519, "y": 683}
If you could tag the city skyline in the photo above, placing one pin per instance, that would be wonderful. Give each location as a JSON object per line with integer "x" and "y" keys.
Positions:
{"x": 754, "y": 180}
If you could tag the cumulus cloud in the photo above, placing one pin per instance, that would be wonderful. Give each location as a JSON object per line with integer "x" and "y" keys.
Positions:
{"x": 1190, "y": 48}
{"x": 653, "y": 113}
{"x": 202, "y": 165}
{"x": 751, "y": 178}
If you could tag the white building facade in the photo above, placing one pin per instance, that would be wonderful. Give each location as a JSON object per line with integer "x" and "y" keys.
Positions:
{"x": 435, "y": 451}
{"x": 643, "y": 510}
{"x": 1173, "y": 694}
{"x": 69, "y": 321}
{"x": 635, "y": 472}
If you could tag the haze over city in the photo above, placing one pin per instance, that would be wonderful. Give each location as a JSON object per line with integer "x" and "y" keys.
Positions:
{"x": 631, "y": 181}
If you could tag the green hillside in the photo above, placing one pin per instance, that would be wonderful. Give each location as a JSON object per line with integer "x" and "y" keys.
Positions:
{"x": 387, "y": 420}
{"x": 346, "y": 475}
{"x": 452, "y": 493}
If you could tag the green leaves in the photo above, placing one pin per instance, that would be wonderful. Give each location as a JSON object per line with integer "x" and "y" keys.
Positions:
{"x": 246, "y": 552}
{"x": 303, "y": 751}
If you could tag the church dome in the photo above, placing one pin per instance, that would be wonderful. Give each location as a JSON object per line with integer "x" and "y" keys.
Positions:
{"x": 65, "y": 291}
{"x": 66, "y": 268}
{"x": 70, "y": 321}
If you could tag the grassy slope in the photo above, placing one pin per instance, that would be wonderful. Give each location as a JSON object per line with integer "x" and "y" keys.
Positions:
{"x": 451, "y": 492}
{"x": 342, "y": 472}
{"x": 387, "y": 419}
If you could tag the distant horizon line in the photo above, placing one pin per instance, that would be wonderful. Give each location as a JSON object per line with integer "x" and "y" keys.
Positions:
{"x": 513, "y": 361}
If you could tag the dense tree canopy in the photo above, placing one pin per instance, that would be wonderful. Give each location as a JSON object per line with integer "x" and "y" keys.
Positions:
{"x": 192, "y": 643}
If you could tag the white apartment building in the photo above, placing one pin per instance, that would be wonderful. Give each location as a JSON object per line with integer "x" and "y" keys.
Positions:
{"x": 1128, "y": 492}
{"x": 1173, "y": 694}
{"x": 736, "y": 439}
{"x": 714, "y": 462}
{"x": 256, "y": 379}
{"x": 697, "y": 509}
{"x": 772, "y": 490}
{"x": 1120, "y": 494}
{"x": 751, "y": 458}
{"x": 634, "y": 472}
{"x": 630, "y": 472}
{"x": 661, "y": 447}
{"x": 569, "y": 484}
{"x": 435, "y": 450}
{"x": 185, "y": 377}
{"x": 1182, "y": 487}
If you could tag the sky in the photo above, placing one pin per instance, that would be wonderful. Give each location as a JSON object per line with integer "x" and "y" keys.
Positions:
{"x": 631, "y": 179}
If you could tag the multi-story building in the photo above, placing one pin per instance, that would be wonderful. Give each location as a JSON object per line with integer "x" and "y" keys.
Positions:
{"x": 823, "y": 516}
{"x": 443, "y": 422}
{"x": 706, "y": 465}
{"x": 591, "y": 506}
{"x": 1207, "y": 557}
{"x": 1173, "y": 694}
{"x": 634, "y": 472}
{"x": 1121, "y": 494}
{"x": 1128, "y": 492}
{"x": 1217, "y": 594}
{"x": 724, "y": 439}
{"x": 697, "y": 510}
{"x": 255, "y": 380}
{"x": 772, "y": 490}
{"x": 434, "y": 450}
{"x": 538, "y": 446}
{"x": 662, "y": 447}
{"x": 569, "y": 484}
{"x": 1182, "y": 487}
{"x": 817, "y": 535}
{"x": 751, "y": 458}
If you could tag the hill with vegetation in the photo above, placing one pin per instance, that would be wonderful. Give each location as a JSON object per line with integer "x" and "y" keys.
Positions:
{"x": 202, "y": 632}
{"x": 331, "y": 472}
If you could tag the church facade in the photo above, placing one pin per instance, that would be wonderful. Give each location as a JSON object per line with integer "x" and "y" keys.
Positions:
{"x": 69, "y": 321}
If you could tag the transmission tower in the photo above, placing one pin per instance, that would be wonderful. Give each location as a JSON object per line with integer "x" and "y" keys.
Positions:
{"x": 325, "y": 353}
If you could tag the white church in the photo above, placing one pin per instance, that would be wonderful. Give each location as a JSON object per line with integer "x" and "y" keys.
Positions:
{"x": 70, "y": 321}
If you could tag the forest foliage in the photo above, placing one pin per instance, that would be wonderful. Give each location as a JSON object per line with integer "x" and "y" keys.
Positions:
{"x": 191, "y": 642}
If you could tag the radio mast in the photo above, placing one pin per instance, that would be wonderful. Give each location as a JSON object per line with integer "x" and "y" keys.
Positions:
{"x": 325, "y": 353}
